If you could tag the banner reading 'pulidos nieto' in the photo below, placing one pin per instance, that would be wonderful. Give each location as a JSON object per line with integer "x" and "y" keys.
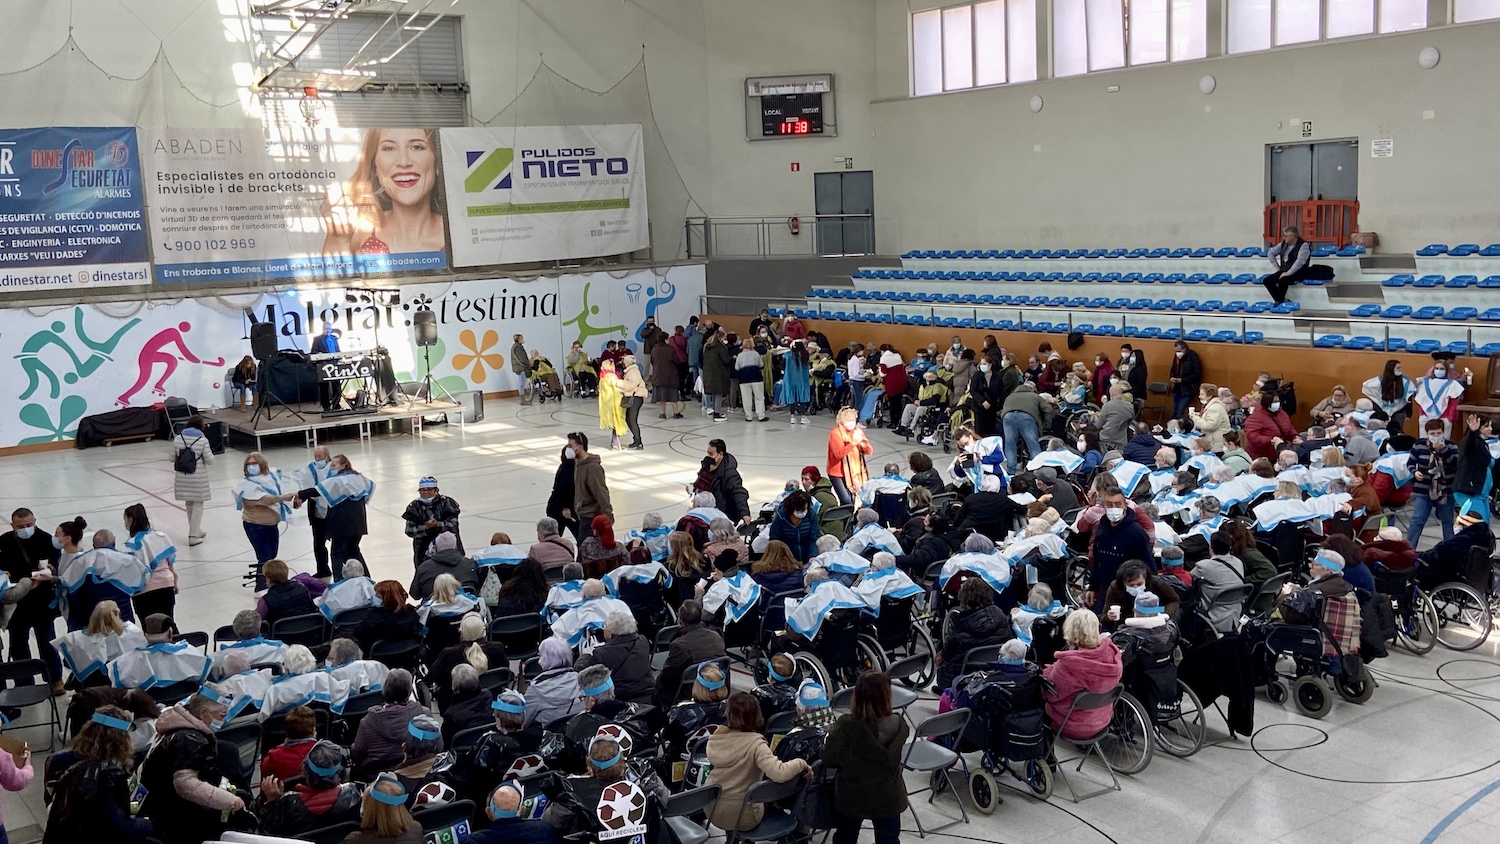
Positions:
{"x": 540, "y": 193}
{"x": 232, "y": 205}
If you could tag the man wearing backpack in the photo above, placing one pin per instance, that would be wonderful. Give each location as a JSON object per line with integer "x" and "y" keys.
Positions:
{"x": 191, "y": 455}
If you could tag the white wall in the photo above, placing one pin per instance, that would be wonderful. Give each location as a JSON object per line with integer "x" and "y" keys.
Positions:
{"x": 1153, "y": 165}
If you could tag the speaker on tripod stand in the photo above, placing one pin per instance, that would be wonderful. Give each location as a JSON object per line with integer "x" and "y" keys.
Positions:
{"x": 425, "y": 333}
{"x": 264, "y": 348}
{"x": 263, "y": 341}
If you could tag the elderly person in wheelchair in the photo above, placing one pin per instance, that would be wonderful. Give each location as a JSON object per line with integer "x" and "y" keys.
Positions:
{"x": 1340, "y": 606}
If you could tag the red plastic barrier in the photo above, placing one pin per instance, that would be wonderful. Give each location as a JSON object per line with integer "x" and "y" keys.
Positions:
{"x": 1320, "y": 220}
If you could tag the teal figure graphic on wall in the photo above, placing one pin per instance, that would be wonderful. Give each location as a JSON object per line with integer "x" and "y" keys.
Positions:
{"x": 667, "y": 293}
{"x": 36, "y": 369}
{"x": 68, "y": 413}
{"x": 585, "y": 331}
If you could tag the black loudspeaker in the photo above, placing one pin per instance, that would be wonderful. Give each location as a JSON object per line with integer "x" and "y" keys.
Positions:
{"x": 263, "y": 340}
{"x": 424, "y": 326}
{"x": 472, "y": 402}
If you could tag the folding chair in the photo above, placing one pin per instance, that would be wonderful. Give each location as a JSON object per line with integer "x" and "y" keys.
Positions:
{"x": 24, "y": 684}
{"x": 775, "y": 824}
{"x": 1157, "y": 400}
{"x": 520, "y": 634}
{"x": 354, "y": 712}
{"x": 273, "y": 729}
{"x": 1084, "y": 702}
{"x": 930, "y": 752}
{"x": 310, "y": 630}
{"x": 466, "y": 739}
{"x": 680, "y": 809}
{"x": 196, "y": 638}
{"x": 496, "y": 680}
{"x": 661, "y": 643}
{"x": 244, "y": 734}
{"x": 397, "y": 653}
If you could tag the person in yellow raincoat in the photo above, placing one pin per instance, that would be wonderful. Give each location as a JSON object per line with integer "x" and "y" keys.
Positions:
{"x": 611, "y": 414}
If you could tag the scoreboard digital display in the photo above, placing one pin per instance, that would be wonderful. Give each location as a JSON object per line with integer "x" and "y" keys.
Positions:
{"x": 791, "y": 115}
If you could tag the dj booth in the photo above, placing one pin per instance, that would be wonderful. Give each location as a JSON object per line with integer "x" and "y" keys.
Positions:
{"x": 289, "y": 377}
{"x": 294, "y": 378}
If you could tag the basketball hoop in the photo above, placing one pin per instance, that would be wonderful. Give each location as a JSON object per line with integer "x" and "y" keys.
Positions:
{"x": 311, "y": 106}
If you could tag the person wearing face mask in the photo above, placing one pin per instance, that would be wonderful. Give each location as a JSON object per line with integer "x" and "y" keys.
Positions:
{"x": 1358, "y": 446}
{"x": 984, "y": 394}
{"x": 262, "y": 507}
{"x": 156, "y": 550}
{"x": 1213, "y": 420}
{"x": 1268, "y": 429}
{"x": 1099, "y": 382}
{"x": 1130, "y": 582}
{"x": 1185, "y": 377}
{"x": 316, "y": 472}
{"x": 428, "y": 515}
{"x": 24, "y": 550}
{"x": 347, "y": 494}
{"x": 520, "y": 367}
{"x": 1391, "y": 392}
{"x": 1114, "y": 540}
{"x": 954, "y": 353}
{"x": 1440, "y": 392}
{"x": 847, "y": 449}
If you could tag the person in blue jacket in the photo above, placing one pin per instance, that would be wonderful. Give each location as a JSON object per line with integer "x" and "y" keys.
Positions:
{"x": 796, "y": 524}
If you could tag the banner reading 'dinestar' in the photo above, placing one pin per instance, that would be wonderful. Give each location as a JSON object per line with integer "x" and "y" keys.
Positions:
{"x": 70, "y": 209}
{"x": 544, "y": 193}
{"x": 234, "y": 205}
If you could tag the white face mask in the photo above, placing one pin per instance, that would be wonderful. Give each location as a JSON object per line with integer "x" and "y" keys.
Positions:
{"x": 1115, "y": 514}
{"x": 1083, "y": 445}
{"x": 1440, "y": 373}
{"x": 1135, "y": 591}
{"x": 849, "y": 426}
{"x": 1275, "y": 407}
{"x": 1179, "y": 354}
{"x": 1396, "y": 372}
{"x": 321, "y": 464}
{"x": 569, "y": 453}
{"x": 801, "y": 514}
{"x": 984, "y": 367}
{"x": 957, "y": 346}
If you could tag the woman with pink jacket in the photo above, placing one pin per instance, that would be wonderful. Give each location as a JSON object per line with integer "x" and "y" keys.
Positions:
{"x": 1090, "y": 664}
{"x": 15, "y": 774}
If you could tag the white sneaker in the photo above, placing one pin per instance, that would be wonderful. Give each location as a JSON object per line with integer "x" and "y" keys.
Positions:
{"x": 806, "y": 421}
{"x": 928, "y": 441}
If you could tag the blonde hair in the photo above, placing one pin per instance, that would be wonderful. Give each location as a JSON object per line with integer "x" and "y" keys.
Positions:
{"x": 683, "y": 558}
{"x": 1081, "y": 630}
{"x": 385, "y": 820}
{"x": 444, "y": 589}
{"x": 702, "y": 693}
{"x": 105, "y": 619}
{"x": 471, "y": 632}
{"x": 1287, "y": 490}
{"x": 846, "y": 414}
{"x": 1332, "y": 456}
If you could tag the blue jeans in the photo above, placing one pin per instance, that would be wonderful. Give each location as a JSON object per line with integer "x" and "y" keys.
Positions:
{"x": 264, "y": 539}
{"x": 1180, "y": 404}
{"x": 856, "y": 394}
{"x": 841, "y": 490}
{"x": 1421, "y": 507}
{"x": 1020, "y": 425}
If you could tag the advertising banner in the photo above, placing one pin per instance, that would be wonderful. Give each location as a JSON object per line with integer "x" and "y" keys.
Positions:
{"x": 231, "y": 205}
{"x": 543, "y": 193}
{"x": 70, "y": 209}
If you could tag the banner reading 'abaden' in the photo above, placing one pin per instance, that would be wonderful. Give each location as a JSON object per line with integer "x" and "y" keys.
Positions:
{"x": 543, "y": 193}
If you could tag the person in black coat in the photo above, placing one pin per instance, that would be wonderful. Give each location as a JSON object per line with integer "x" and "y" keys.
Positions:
{"x": 975, "y": 623}
{"x": 468, "y": 705}
{"x": 991, "y": 511}
{"x": 284, "y": 597}
{"x": 985, "y": 390}
{"x": 23, "y": 550}
{"x": 427, "y": 516}
{"x": 627, "y": 655}
{"x": 923, "y": 475}
{"x": 1142, "y": 447}
{"x": 727, "y": 486}
{"x": 940, "y": 542}
{"x": 1137, "y": 376}
{"x": 347, "y": 521}
{"x": 472, "y": 650}
{"x": 1064, "y": 499}
{"x": 447, "y": 558}
{"x": 1186, "y": 377}
{"x": 694, "y": 643}
{"x": 560, "y": 502}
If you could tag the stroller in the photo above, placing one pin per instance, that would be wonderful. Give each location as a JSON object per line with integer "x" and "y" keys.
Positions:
{"x": 1009, "y": 729}
{"x": 544, "y": 381}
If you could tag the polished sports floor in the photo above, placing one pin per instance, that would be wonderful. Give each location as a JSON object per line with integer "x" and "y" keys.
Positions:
{"x": 1419, "y": 762}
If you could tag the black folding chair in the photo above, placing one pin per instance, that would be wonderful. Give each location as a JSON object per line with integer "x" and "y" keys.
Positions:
{"x": 196, "y": 638}
{"x": 397, "y": 653}
{"x": 24, "y": 684}
{"x": 775, "y": 824}
{"x": 170, "y": 694}
{"x": 439, "y": 818}
{"x": 354, "y": 711}
{"x": 466, "y": 739}
{"x": 1083, "y": 702}
{"x": 496, "y": 680}
{"x": 930, "y": 753}
{"x": 661, "y": 643}
{"x": 310, "y": 630}
{"x": 244, "y": 734}
{"x": 520, "y": 634}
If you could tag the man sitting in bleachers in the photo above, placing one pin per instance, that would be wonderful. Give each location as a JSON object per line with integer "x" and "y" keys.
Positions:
{"x": 1290, "y": 259}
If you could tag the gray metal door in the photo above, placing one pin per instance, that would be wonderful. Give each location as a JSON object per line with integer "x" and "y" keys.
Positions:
{"x": 836, "y": 198}
{"x": 1335, "y": 170}
{"x": 1290, "y": 170}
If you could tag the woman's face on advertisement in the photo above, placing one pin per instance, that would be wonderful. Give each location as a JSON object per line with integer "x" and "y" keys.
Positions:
{"x": 406, "y": 164}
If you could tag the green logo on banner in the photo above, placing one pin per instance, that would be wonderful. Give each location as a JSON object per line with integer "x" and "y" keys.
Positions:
{"x": 488, "y": 171}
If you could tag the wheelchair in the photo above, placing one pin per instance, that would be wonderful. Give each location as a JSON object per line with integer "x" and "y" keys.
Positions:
{"x": 545, "y": 386}
{"x": 648, "y": 603}
{"x": 842, "y": 650}
{"x": 1176, "y": 713}
{"x": 901, "y": 631}
{"x": 1290, "y": 662}
{"x": 1464, "y": 606}
{"x": 1009, "y": 730}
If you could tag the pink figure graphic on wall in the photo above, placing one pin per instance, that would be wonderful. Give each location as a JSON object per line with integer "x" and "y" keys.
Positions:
{"x": 158, "y": 351}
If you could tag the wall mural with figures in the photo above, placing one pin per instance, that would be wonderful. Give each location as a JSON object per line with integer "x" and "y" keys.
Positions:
{"x": 80, "y": 360}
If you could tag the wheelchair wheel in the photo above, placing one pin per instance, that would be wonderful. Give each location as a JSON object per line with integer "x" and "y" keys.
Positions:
{"x": 1355, "y": 689}
{"x": 1311, "y": 696}
{"x": 1039, "y": 778}
{"x": 919, "y": 641}
{"x": 1078, "y": 580}
{"x": 1463, "y": 616}
{"x": 984, "y": 791}
{"x": 1183, "y": 735}
{"x": 812, "y": 668}
{"x": 1276, "y": 691}
{"x": 869, "y": 656}
{"x": 1128, "y": 744}
{"x": 1418, "y": 633}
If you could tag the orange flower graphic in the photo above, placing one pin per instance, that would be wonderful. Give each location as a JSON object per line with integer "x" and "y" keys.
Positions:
{"x": 479, "y": 355}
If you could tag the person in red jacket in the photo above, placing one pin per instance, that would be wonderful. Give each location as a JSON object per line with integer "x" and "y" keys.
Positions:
{"x": 893, "y": 374}
{"x": 1268, "y": 428}
{"x": 284, "y": 761}
{"x": 1391, "y": 550}
{"x": 1099, "y": 381}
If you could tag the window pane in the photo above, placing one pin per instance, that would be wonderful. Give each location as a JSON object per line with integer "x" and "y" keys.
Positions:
{"x": 1249, "y": 25}
{"x": 1106, "y": 23}
{"x": 958, "y": 49}
{"x": 1070, "y": 38}
{"x": 1475, "y": 10}
{"x": 1296, "y": 21}
{"x": 1189, "y": 29}
{"x": 926, "y": 53}
{"x": 989, "y": 43}
{"x": 1021, "y": 38}
{"x": 1350, "y": 17}
{"x": 1148, "y": 31}
{"x": 1402, "y": 15}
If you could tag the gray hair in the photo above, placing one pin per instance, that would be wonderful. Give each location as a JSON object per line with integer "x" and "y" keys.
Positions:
{"x": 298, "y": 660}
{"x": 554, "y": 653}
{"x": 465, "y": 678}
{"x": 866, "y": 516}
{"x": 510, "y": 721}
{"x": 325, "y": 754}
{"x": 1013, "y": 649}
{"x": 246, "y": 624}
{"x": 104, "y": 539}
{"x": 1221, "y": 474}
{"x": 1040, "y": 597}
{"x": 546, "y": 526}
{"x": 1291, "y": 230}
{"x": 893, "y": 468}
{"x": 343, "y": 651}
{"x": 722, "y": 530}
{"x": 397, "y": 687}
{"x": 421, "y": 748}
{"x": 572, "y": 571}
{"x": 828, "y": 542}
{"x": 593, "y": 588}
{"x": 353, "y": 569}
{"x": 234, "y": 662}
{"x": 884, "y": 560}
{"x": 978, "y": 543}
{"x": 1208, "y": 505}
{"x": 651, "y": 521}
{"x": 1171, "y": 454}
{"x": 619, "y": 623}
{"x": 594, "y": 675}
{"x": 704, "y": 499}
{"x": 816, "y": 574}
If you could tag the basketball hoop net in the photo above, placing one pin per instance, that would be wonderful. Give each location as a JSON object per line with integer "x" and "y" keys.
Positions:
{"x": 311, "y": 106}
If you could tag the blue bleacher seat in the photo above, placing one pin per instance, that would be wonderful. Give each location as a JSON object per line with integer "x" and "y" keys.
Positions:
{"x": 1149, "y": 332}
{"x": 1110, "y": 278}
{"x": 1106, "y": 330}
{"x": 865, "y": 317}
{"x": 1491, "y": 251}
{"x": 1077, "y": 302}
{"x": 1491, "y": 315}
{"x": 1180, "y": 252}
{"x": 843, "y": 316}
{"x": 1259, "y": 307}
{"x": 1185, "y": 305}
{"x": 1139, "y": 304}
{"x": 950, "y": 298}
{"x": 1425, "y": 346}
{"x": 1073, "y": 277}
{"x": 1243, "y": 278}
{"x": 1490, "y": 282}
{"x": 1151, "y": 278}
{"x": 1459, "y": 282}
{"x": 1138, "y": 252}
{"x": 1397, "y": 312}
{"x": 1287, "y": 307}
{"x": 1202, "y": 252}
{"x": 1429, "y": 312}
{"x": 1021, "y": 300}
{"x": 1368, "y": 309}
{"x": 1217, "y": 278}
{"x": 1163, "y": 304}
{"x": 1083, "y": 327}
{"x": 1432, "y": 250}
{"x": 1461, "y": 313}
{"x": 969, "y": 298}
{"x": 1225, "y": 336}
{"x": 1171, "y": 333}
{"x": 1052, "y": 277}
{"x": 1004, "y": 253}
{"x": 966, "y": 322}
{"x": 1399, "y": 280}
{"x": 1323, "y": 250}
{"x": 1359, "y": 342}
{"x": 1393, "y": 344}
{"x": 948, "y": 321}
{"x": 1087, "y": 277}
{"x": 1226, "y": 252}
{"x": 1429, "y": 281}
{"x": 1002, "y": 300}
{"x": 1118, "y": 304}
{"x": 1173, "y": 278}
{"x": 911, "y": 254}
{"x": 951, "y": 275}
{"x": 1489, "y": 349}
{"x": 969, "y": 276}
{"x": 1251, "y": 252}
{"x": 1096, "y": 302}
{"x": 903, "y": 319}
{"x": 985, "y": 323}
{"x": 1351, "y": 251}
{"x": 1458, "y": 347}
{"x": 946, "y": 253}
{"x": 905, "y": 296}
{"x": 1120, "y": 253}
{"x": 1329, "y": 341}
{"x": 1025, "y": 253}
{"x": 1042, "y": 253}
{"x": 1254, "y": 336}
{"x": 1005, "y": 325}
{"x": 1210, "y": 306}
{"x": 1236, "y": 306}
{"x": 1058, "y": 302}
{"x": 1130, "y": 278}
{"x": 985, "y": 299}
{"x": 1313, "y": 282}
{"x": 1196, "y": 278}
{"x": 922, "y": 319}
{"x": 1463, "y": 250}
{"x": 1096, "y": 253}
{"x": 1025, "y": 325}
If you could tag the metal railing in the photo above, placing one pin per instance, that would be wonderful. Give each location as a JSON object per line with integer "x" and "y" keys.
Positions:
{"x": 798, "y": 235}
